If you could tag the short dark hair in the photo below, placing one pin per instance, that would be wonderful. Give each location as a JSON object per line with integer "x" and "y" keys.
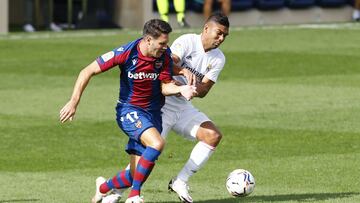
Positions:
{"x": 156, "y": 27}
{"x": 220, "y": 18}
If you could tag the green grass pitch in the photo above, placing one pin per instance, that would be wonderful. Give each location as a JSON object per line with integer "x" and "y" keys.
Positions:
{"x": 287, "y": 103}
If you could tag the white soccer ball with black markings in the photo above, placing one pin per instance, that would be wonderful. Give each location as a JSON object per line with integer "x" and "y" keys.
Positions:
{"x": 240, "y": 183}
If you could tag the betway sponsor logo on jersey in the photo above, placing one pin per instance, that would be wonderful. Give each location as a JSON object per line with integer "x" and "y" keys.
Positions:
{"x": 143, "y": 75}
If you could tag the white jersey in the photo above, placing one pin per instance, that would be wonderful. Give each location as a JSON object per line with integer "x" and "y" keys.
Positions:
{"x": 190, "y": 50}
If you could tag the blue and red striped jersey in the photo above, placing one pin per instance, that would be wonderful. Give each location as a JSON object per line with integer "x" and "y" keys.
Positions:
{"x": 140, "y": 76}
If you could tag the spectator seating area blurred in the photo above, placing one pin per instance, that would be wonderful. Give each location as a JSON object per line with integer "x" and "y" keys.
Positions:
{"x": 242, "y": 5}
{"x": 67, "y": 14}
{"x": 270, "y": 12}
{"x": 133, "y": 14}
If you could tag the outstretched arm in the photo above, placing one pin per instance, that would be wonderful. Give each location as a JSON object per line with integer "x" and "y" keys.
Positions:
{"x": 68, "y": 111}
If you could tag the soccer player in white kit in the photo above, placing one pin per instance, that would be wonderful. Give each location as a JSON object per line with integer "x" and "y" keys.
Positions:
{"x": 197, "y": 54}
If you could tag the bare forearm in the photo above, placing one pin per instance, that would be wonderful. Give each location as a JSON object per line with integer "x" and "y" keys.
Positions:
{"x": 80, "y": 85}
{"x": 83, "y": 80}
{"x": 171, "y": 88}
{"x": 201, "y": 90}
{"x": 69, "y": 110}
{"x": 203, "y": 87}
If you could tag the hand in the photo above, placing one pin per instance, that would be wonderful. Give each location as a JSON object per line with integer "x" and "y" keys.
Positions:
{"x": 190, "y": 77}
{"x": 188, "y": 91}
{"x": 68, "y": 112}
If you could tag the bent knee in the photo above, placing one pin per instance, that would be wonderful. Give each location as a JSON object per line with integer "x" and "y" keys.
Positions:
{"x": 211, "y": 137}
{"x": 158, "y": 144}
{"x": 215, "y": 136}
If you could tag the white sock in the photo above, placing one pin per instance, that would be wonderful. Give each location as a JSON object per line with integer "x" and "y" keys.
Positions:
{"x": 198, "y": 157}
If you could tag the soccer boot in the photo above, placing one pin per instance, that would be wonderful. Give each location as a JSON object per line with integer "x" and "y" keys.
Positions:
{"x": 135, "y": 199}
{"x": 29, "y": 28}
{"x": 98, "y": 195}
{"x": 114, "y": 196}
{"x": 183, "y": 23}
{"x": 181, "y": 188}
{"x": 54, "y": 27}
{"x": 111, "y": 198}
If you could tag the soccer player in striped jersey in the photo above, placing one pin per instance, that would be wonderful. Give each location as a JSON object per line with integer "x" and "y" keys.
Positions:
{"x": 145, "y": 78}
{"x": 202, "y": 63}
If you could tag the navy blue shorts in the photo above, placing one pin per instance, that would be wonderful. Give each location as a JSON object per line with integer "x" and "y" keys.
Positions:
{"x": 133, "y": 121}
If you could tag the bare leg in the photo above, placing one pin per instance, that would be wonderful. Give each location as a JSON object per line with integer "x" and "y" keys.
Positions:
{"x": 207, "y": 8}
{"x": 209, "y": 137}
{"x": 356, "y": 12}
{"x": 141, "y": 166}
{"x": 226, "y": 7}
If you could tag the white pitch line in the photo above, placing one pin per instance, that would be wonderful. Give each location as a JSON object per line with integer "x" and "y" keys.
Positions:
{"x": 77, "y": 34}
{"x": 332, "y": 26}
{"x": 80, "y": 34}
{"x": 65, "y": 34}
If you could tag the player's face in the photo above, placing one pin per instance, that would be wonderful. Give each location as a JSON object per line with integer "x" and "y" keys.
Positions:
{"x": 215, "y": 34}
{"x": 158, "y": 46}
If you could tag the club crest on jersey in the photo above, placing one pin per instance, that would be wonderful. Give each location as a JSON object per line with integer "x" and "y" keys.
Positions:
{"x": 158, "y": 64}
{"x": 138, "y": 124}
{"x": 134, "y": 61}
{"x": 208, "y": 68}
{"x": 189, "y": 57}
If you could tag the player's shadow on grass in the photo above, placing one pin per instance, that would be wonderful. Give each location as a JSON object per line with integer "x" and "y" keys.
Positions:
{"x": 18, "y": 200}
{"x": 286, "y": 197}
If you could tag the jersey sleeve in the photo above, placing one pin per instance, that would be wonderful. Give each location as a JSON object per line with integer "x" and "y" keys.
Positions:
{"x": 214, "y": 71}
{"x": 179, "y": 47}
{"x": 118, "y": 56}
{"x": 166, "y": 71}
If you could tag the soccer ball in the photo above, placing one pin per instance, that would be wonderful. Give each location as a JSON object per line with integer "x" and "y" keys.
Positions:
{"x": 240, "y": 183}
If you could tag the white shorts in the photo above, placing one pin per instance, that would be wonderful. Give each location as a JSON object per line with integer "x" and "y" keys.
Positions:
{"x": 185, "y": 122}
